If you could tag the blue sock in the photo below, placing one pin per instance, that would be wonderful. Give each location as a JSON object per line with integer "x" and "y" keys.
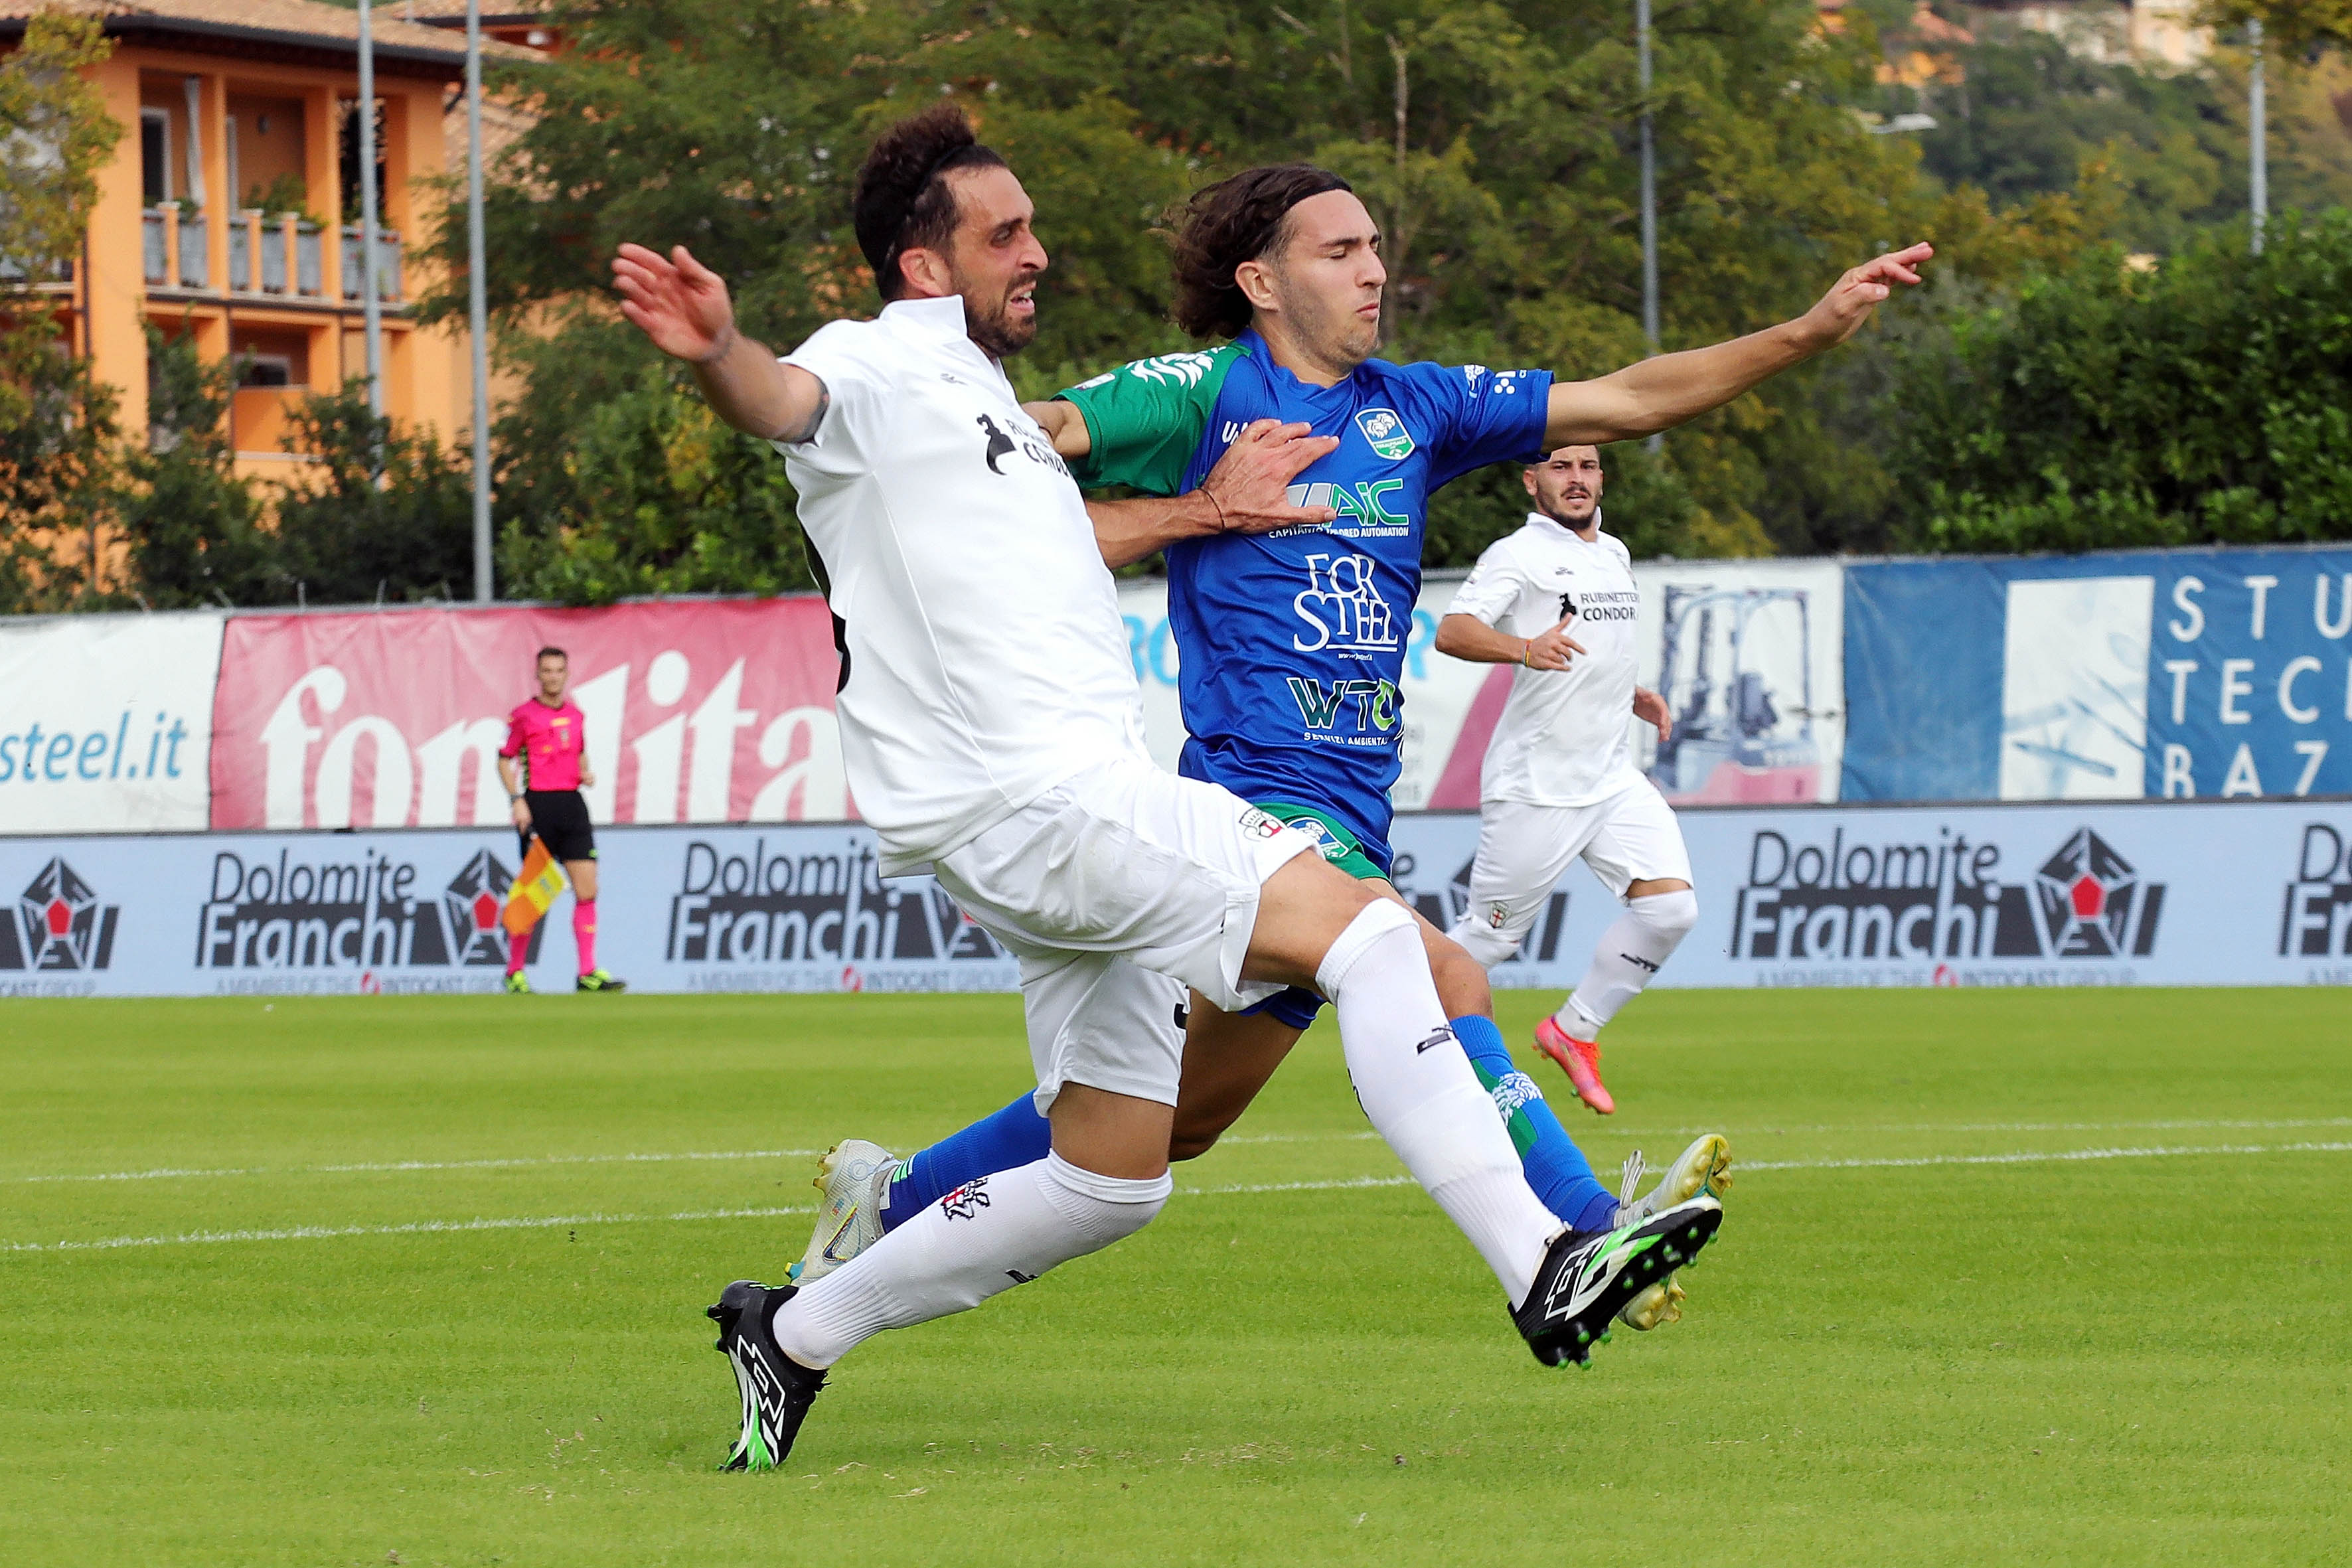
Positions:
{"x": 1012, "y": 1137}
{"x": 1556, "y": 1168}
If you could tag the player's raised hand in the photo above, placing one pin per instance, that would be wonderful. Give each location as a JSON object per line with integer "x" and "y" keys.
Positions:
{"x": 1851, "y": 300}
{"x": 676, "y": 301}
{"x": 1554, "y": 649}
{"x": 1251, "y": 482}
{"x": 1651, "y": 709}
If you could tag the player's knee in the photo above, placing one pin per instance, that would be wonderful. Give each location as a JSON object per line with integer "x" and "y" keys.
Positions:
{"x": 1376, "y": 920}
{"x": 1186, "y": 1144}
{"x": 1461, "y": 976}
{"x": 1670, "y": 916}
{"x": 1102, "y": 1208}
{"x": 1487, "y": 945}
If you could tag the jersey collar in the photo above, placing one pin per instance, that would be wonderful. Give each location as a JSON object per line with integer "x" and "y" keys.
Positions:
{"x": 1254, "y": 345}
{"x": 940, "y": 323}
{"x": 1561, "y": 530}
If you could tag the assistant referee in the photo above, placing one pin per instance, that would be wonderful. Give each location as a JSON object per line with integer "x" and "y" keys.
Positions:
{"x": 544, "y": 765}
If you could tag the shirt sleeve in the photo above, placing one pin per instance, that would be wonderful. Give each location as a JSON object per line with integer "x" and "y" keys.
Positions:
{"x": 1146, "y": 419}
{"x": 1493, "y": 587}
{"x": 1485, "y": 417}
{"x": 515, "y": 736}
{"x": 855, "y": 431}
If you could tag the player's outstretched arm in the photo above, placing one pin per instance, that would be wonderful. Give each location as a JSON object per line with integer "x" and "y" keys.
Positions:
{"x": 1662, "y": 392}
{"x": 683, "y": 307}
{"x": 1247, "y": 492}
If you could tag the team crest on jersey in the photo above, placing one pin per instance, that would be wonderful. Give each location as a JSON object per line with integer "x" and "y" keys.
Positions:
{"x": 1386, "y": 432}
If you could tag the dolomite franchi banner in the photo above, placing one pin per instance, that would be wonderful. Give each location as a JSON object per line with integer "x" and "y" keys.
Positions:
{"x": 2068, "y": 894}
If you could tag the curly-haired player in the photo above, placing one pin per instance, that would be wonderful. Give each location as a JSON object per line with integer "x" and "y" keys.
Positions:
{"x": 1291, "y": 642}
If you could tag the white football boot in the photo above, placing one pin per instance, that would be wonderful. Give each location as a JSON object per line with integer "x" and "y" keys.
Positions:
{"x": 1703, "y": 1168}
{"x": 853, "y": 1175}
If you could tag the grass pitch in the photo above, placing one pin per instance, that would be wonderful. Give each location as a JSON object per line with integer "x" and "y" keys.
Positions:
{"x": 2005, "y": 1277}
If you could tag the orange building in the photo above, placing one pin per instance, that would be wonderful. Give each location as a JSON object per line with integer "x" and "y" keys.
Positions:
{"x": 231, "y": 208}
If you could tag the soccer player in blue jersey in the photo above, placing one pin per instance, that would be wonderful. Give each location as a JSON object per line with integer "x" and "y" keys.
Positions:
{"x": 1291, "y": 640}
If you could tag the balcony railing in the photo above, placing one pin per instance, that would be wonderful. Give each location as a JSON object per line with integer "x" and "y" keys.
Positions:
{"x": 266, "y": 255}
{"x": 387, "y": 264}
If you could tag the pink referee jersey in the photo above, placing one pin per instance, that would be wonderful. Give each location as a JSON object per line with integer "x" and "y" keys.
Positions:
{"x": 549, "y": 739}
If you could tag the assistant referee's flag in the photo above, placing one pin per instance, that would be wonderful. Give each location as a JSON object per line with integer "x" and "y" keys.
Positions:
{"x": 534, "y": 890}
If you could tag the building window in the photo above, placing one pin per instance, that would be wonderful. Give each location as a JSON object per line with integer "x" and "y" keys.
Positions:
{"x": 264, "y": 370}
{"x": 155, "y": 156}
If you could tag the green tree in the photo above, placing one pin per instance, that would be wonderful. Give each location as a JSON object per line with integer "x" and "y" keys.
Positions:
{"x": 56, "y": 426}
{"x": 2205, "y": 400}
{"x": 195, "y": 531}
{"x": 379, "y": 514}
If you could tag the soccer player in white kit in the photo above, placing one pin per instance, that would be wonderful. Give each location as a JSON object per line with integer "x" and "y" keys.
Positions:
{"x": 991, "y": 729}
{"x": 1558, "y": 599}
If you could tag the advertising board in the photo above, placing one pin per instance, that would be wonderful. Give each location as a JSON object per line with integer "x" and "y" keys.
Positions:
{"x": 707, "y": 711}
{"x": 2173, "y": 675}
{"x": 2068, "y": 894}
{"x": 106, "y": 723}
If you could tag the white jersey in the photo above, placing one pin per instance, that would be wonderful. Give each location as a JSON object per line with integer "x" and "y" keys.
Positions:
{"x": 1565, "y": 738}
{"x": 985, "y": 659}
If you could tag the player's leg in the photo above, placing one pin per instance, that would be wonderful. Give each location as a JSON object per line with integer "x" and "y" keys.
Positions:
{"x": 1636, "y": 851}
{"x": 1104, "y": 1039}
{"x": 1364, "y": 952}
{"x": 1523, "y": 852}
{"x": 1224, "y": 1070}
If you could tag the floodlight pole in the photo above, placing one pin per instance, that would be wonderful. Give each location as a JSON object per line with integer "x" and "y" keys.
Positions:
{"x": 1649, "y": 192}
{"x": 2258, "y": 136}
{"x": 371, "y": 307}
{"x": 476, "y": 301}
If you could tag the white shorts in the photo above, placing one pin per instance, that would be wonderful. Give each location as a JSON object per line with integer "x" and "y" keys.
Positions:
{"x": 1117, "y": 889}
{"x": 1524, "y": 850}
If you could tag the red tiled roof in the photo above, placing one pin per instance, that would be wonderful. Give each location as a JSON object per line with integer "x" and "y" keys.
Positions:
{"x": 307, "y": 25}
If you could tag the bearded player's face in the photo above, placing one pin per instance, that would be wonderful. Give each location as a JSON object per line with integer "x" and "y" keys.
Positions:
{"x": 993, "y": 259}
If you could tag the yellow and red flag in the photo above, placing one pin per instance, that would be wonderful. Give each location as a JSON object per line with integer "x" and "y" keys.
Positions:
{"x": 534, "y": 890}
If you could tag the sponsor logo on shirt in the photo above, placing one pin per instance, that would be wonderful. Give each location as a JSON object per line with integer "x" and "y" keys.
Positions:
{"x": 1001, "y": 445}
{"x": 1341, "y": 608}
{"x": 1363, "y": 510}
{"x": 1615, "y": 605}
{"x": 1386, "y": 432}
{"x": 1347, "y": 712}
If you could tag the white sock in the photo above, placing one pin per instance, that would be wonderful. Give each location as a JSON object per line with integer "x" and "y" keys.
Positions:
{"x": 988, "y": 1235}
{"x": 1629, "y": 953}
{"x": 1417, "y": 1090}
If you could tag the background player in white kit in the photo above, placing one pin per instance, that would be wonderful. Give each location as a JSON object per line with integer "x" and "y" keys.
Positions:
{"x": 1558, "y": 599}
{"x": 991, "y": 730}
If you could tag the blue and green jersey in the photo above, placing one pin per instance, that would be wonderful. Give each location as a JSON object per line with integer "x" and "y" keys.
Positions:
{"x": 1291, "y": 645}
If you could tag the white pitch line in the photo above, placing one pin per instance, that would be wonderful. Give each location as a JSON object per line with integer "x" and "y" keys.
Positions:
{"x": 1613, "y": 1131}
{"x": 2036, "y": 1157}
{"x": 515, "y": 1163}
{"x": 1348, "y": 1183}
